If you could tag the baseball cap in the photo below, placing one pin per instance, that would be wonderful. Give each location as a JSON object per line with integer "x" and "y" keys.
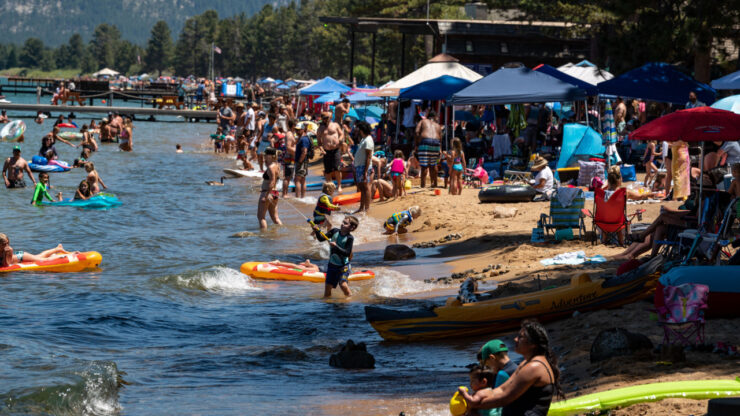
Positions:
{"x": 16, "y": 147}
{"x": 492, "y": 347}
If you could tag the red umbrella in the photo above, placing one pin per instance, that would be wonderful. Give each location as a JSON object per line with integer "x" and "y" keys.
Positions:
{"x": 700, "y": 124}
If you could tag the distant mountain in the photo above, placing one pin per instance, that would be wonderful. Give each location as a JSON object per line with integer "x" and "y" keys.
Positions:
{"x": 55, "y": 21}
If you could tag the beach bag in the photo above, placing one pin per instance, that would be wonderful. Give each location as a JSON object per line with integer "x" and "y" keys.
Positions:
{"x": 311, "y": 152}
{"x": 589, "y": 170}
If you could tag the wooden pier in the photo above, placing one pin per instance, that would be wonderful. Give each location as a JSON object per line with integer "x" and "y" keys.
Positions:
{"x": 188, "y": 115}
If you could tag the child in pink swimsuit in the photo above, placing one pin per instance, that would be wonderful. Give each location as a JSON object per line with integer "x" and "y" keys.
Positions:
{"x": 398, "y": 174}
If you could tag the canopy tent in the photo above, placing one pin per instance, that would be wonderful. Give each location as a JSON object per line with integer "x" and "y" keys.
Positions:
{"x": 731, "y": 103}
{"x": 329, "y": 97}
{"x": 727, "y": 82}
{"x": 579, "y": 140}
{"x": 324, "y": 86}
{"x": 552, "y": 71}
{"x": 283, "y": 87}
{"x": 370, "y": 111}
{"x": 362, "y": 97}
{"x": 436, "y": 67}
{"x": 657, "y": 81}
{"x": 267, "y": 80}
{"x": 291, "y": 83}
{"x": 106, "y": 72}
{"x": 517, "y": 85}
{"x": 440, "y": 88}
{"x": 586, "y": 71}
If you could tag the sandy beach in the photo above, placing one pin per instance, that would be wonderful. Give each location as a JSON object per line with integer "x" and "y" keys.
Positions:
{"x": 487, "y": 240}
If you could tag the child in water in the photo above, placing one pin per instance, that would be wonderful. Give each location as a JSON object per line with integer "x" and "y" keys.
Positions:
{"x": 481, "y": 380}
{"x": 340, "y": 252}
{"x": 93, "y": 179}
{"x": 398, "y": 222}
{"x": 398, "y": 174}
{"x": 42, "y": 190}
{"x": 324, "y": 206}
{"x": 10, "y": 257}
{"x": 83, "y": 191}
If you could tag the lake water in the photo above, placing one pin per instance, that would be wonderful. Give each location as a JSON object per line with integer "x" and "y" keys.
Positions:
{"x": 169, "y": 325}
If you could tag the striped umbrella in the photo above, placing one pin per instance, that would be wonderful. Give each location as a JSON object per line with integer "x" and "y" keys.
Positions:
{"x": 610, "y": 130}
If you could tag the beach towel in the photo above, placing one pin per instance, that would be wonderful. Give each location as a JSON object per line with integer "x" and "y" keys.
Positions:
{"x": 567, "y": 195}
{"x": 573, "y": 258}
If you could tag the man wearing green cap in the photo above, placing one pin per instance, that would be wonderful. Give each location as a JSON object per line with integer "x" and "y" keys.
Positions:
{"x": 495, "y": 354}
{"x": 13, "y": 170}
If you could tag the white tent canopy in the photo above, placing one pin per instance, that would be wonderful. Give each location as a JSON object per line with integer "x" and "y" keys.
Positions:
{"x": 586, "y": 72}
{"x": 436, "y": 67}
{"x": 106, "y": 72}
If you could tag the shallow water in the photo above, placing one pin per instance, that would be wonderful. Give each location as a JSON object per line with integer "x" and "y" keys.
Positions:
{"x": 168, "y": 324}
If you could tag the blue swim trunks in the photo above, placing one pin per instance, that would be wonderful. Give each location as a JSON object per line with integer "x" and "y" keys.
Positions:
{"x": 336, "y": 274}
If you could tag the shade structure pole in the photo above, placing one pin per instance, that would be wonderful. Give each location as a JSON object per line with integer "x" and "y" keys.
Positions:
{"x": 701, "y": 180}
{"x": 372, "y": 66}
{"x": 453, "y": 121}
{"x": 447, "y": 129}
{"x": 585, "y": 105}
{"x": 398, "y": 120}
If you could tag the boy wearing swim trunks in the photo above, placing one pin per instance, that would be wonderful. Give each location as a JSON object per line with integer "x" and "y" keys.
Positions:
{"x": 340, "y": 251}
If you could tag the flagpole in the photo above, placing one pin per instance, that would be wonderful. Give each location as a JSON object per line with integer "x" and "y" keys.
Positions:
{"x": 212, "y": 75}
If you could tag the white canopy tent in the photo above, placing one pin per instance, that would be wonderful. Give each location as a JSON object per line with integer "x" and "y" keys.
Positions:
{"x": 106, "y": 72}
{"x": 436, "y": 67}
{"x": 586, "y": 71}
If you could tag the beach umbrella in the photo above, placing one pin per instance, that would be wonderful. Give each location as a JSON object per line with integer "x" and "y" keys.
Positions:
{"x": 327, "y": 98}
{"x": 731, "y": 103}
{"x": 699, "y": 124}
{"x": 310, "y": 126}
{"x": 610, "y": 133}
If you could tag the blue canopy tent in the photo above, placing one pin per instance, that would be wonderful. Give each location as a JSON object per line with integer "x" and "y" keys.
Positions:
{"x": 362, "y": 97}
{"x": 440, "y": 88}
{"x": 324, "y": 86}
{"x": 579, "y": 140}
{"x": 328, "y": 98}
{"x": 517, "y": 85}
{"x": 283, "y": 87}
{"x": 554, "y": 72}
{"x": 727, "y": 82}
{"x": 657, "y": 81}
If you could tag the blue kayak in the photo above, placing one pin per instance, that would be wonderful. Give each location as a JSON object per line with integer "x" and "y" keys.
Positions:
{"x": 317, "y": 185}
{"x": 100, "y": 201}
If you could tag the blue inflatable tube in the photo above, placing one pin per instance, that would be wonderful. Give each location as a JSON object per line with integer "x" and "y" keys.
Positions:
{"x": 47, "y": 168}
{"x": 100, "y": 201}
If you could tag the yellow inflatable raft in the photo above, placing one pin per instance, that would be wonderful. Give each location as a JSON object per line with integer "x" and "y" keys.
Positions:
{"x": 68, "y": 263}
{"x": 268, "y": 271}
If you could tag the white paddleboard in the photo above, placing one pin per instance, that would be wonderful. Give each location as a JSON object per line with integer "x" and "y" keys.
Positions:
{"x": 241, "y": 173}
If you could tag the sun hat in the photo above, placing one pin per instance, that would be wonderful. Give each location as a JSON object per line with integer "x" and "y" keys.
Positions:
{"x": 492, "y": 347}
{"x": 238, "y": 105}
{"x": 539, "y": 164}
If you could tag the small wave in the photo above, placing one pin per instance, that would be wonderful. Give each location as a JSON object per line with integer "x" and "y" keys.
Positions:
{"x": 221, "y": 280}
{"x": 392, "y": 284}
{"x": 92, "y": 390}
{"x": 308, "y": 200}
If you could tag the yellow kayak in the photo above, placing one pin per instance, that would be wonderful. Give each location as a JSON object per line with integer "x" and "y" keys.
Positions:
{"x": 68, "y": 263}
{"x": 268, "y": 271}
{"x": 490, "y": 316}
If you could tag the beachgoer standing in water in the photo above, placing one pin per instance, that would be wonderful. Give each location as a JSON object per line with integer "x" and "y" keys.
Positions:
{"x": 301, "y": 161}
{"x": 13, "y": 170}
{"x": 363, "y": 165}
{"x": 340, "y": 249}
{"x": 428, "y": 147}
{"x": 330, "y": 136}
{"x": 268, "y": 195}
{"x": 289, "y": 157}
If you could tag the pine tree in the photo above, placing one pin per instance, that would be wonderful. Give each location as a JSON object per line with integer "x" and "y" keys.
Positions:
{"x": 159, "y": 48}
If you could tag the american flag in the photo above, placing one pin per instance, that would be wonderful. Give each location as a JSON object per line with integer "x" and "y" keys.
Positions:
{"x": 216, "y": 49}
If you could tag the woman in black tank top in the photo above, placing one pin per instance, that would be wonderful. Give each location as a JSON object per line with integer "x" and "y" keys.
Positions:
{"x": 530, "y": 389}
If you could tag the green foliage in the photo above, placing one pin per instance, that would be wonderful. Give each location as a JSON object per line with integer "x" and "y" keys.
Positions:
{"x": 33, "y": 48}
{"x": 104, "y": 44}
{"x": 159, "y": 48}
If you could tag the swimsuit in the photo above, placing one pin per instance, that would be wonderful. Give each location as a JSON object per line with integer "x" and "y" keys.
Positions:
{"x": 397, "y": 168}
{"x": 397, "y": 220}
{"x": 428, "y": 153}
{"x": 332, "y": 160}
{"x": 39, "y": 193}
{"x": 338, "y": 268}
{"x": 457, "y": 165}
{"x": 323, "y": 208}
{"x": 19, "y": 255}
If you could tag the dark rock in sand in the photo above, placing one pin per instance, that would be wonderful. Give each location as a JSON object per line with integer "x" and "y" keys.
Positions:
{"x": 352, "y": 355}
{"x": 398, "y": 252}
{"x": 616, "y": 342}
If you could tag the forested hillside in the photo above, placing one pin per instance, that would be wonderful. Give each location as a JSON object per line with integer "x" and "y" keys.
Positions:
{"x": 55, "y": 21}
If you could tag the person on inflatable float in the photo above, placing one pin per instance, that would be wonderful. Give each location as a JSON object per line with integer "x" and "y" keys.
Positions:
{"x": 10, "y": 257}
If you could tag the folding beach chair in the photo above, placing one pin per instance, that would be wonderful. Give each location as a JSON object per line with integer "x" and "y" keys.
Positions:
{"x": 565, "y": 217}
{"x": 715, "y": 233}
{"x": 609, "y": 216}
{"x": 681, "y": 312}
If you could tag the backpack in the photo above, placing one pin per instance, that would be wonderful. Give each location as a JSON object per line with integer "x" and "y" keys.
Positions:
{"x": 311, "y": 152}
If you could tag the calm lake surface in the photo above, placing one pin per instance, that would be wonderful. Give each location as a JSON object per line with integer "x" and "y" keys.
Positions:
{"x": 169, "y": 325}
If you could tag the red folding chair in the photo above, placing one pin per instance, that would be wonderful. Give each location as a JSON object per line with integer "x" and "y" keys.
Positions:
{"x": 609, "y": 216}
